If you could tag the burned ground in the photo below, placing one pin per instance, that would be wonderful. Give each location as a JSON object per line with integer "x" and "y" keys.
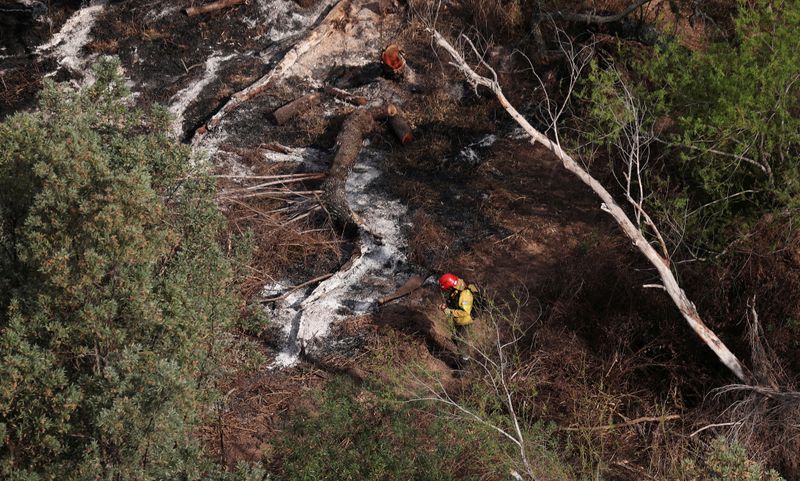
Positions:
{"x": 468, "y": 195}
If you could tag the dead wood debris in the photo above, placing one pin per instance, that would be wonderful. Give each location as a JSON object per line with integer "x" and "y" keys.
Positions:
{"x": 346, "y": 96}
{"x": 410, "y": 286}
{"x": 327, "y": 27}
{"x": 294, "y": 108}
{"x": 211, "y": 7}
{"x": 399, "y": 124}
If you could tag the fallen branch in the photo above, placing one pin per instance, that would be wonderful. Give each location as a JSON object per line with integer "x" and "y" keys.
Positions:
{"x": 294, "y": 108}
{"x": 410, "y": 286}
{"x": 628, "y": 227}
{"x": 272, "y": 194}
{"x": 327, "y": 28}
{"x": 211, "y": 7}
{"x": 346, "y": 96}
{"x": 272, "y": 183}
{"x": 632, "y": 422}
{"x": 349, "y": 141}
{"x": 299, "y": 286}
{"x": 267, "y": 177}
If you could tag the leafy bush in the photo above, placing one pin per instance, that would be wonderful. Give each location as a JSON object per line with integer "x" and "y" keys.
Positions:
{"x": 724, "y": 461}
{"x": 726, "y": 126}
{"x": 113, "y": 287}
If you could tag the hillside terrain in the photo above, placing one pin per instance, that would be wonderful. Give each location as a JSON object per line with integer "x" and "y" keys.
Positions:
{"x": 341, "y": 181}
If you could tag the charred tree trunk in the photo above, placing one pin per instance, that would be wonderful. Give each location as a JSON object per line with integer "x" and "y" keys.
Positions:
{"x": 349, "y": 140}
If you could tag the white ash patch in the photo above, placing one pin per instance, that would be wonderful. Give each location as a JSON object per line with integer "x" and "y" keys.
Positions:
{"x": 285, "y": 18}
{"x": 355, "y": 289}
{"x": 181, "y": 100}
{"x": 312, "y": 158}
{"x": 153, "y": 16}
{"x": 208, "y": 147}
{"x": 519, "y": 134}
{"x": 356, "y": 44}
{"x": 66, "y": 45}
{"x": 470, "y": 154}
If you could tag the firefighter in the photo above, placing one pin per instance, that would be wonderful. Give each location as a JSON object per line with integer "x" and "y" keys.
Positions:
{"x": 458, "y": 308}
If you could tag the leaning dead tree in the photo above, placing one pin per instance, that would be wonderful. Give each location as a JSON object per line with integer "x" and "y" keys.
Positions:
{"x": 660, "y": 261}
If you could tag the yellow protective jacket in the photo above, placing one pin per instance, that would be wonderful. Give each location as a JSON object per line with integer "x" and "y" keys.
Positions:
{"x": 459, "y": 306}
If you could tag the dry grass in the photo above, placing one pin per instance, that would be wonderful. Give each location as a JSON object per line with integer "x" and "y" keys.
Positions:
{"x": 109, "y": 46}
{"x": 493, "y": 17}
{"x": 429, "y": 243}
{"x": 292, "y": 237}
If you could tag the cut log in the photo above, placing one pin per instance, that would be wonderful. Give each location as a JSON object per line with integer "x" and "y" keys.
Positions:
{"x": 346, "y": 96}
{"x": 211, "y": 7}
{"x": 349, "y": 140}
{"x": 294, "y": 108}
{"x": 399, "y": 124}
{"x": 410, "y": 286}
{"x": 393, "y": 60}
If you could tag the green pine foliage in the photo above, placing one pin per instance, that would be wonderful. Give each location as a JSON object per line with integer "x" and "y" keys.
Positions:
{"x": 113, "y": 289}
{"x": 736, "y": 114}
{"x": 726, "y": 120}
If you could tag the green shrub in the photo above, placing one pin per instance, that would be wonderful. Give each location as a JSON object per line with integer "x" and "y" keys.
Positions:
{"x": 724, "y": 461}
{"x": 357, "y": 435}
{"x": 736, "y": 133}
{"x": 113, "y": 287}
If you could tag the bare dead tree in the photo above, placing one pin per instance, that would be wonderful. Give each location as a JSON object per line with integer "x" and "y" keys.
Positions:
{"x": 498, "y": 366}
{"x": 577, "y": 59}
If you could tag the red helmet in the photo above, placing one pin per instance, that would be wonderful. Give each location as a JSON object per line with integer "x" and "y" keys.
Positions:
{"x": 448, "y": 281}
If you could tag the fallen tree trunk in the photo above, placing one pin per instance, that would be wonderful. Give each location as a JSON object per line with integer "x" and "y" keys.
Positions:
{"x": 349, "y": 140}
{"x": 211, "y": 7}
{"x": 326, "y": 28}
{"x": 294, "y": 108}
{"x": 670, "y": 283}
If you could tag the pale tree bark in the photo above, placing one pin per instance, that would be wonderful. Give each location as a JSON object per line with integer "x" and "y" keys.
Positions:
{"x": 669, "y": 282}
